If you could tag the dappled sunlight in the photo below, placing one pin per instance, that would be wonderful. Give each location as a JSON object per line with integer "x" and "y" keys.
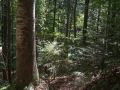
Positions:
{"x": 59, "y": 44}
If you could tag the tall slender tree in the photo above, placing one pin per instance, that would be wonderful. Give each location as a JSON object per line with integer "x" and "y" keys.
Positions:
{"x": 3, "y": 22}
{"x": 54, "y": 18}
{"x": 75, "y": 6}
{"x": 6, "y": 37}
{"x": 68, "y": 18}
{"x": 85, "y": 20}
{"x": 9, "y": 39}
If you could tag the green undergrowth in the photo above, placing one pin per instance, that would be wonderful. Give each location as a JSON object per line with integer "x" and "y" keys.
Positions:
{"x": 7, "y": 87}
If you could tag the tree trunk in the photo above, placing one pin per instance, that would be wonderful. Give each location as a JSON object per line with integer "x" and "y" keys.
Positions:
{"x": 9, "y": 41}
{"x": 71, "y": 20}
{"x": 25, "y": 44}
{"x": 35, "y": 69}
{"x": 3, "y": 29}
{"x": 98, "y": 18}
{"x": 54, "y": 19}
{"x": 85, "y": 20}
{"x": 68, "y": 15}
{"x": 75, "y": 6}
{"x": 6, "y": 38}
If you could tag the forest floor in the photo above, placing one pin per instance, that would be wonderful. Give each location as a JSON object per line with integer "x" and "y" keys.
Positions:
{"x": 108, "y": 81}
{"x": 59, "y": 83}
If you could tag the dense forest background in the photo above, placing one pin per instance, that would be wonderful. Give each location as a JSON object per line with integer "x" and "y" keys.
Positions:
{"x": 74, "y": 40}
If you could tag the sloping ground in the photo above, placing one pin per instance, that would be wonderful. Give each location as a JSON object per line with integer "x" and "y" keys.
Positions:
{"x": 60, "y": 83}
{"x": 63, "y": 83}
{"x": 42, "y": 86}
{"x": 109, "y": 81}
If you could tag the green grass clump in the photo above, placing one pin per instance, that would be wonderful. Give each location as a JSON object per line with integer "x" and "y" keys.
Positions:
{"x": 7, "y": 87}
